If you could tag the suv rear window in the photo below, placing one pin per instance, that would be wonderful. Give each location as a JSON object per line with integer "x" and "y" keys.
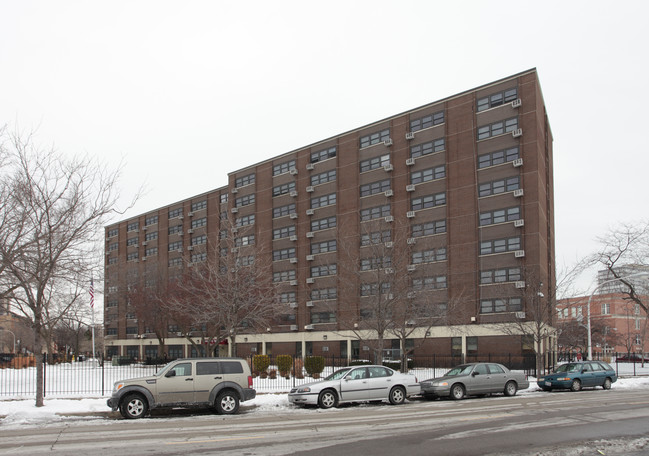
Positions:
{"x": 205, "y": 368}
{"x": 231, "y": 367}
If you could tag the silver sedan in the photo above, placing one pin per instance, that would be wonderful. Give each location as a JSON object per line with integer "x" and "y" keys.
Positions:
{"x": 475, "y": 379}
{"x": 357, "y": 384}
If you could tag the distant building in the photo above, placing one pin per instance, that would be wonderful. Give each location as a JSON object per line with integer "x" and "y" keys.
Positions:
{"x": 607, "y": 281}
{"x": 469, "y": 176}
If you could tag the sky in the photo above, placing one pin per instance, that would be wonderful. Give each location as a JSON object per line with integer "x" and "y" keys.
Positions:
{"x": 181, "y": 93}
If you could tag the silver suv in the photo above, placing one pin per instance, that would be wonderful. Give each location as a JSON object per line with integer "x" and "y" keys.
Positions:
{"x": 221, "y": 383}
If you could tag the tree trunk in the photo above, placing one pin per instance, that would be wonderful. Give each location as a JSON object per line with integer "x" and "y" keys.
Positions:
{"x": 40, "y": 359}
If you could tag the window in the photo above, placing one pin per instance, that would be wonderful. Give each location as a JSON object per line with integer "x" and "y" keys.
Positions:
{"x": 245, "y": 180}
{"x": 244, "y": 240}
{"x": 323, "y": 224}
{"x": 112, "y": 288}
{"x": 245, "y": 220}
{"x": 287, "y": 297}
{"x": 173, "y": 213}
{"x": 111, "y": 303}
{"x": 113, "y": 232}
{"x": 199, "y": 205}
{"x": 283, "y": 254}
{"x": 327, "y": 176}
{"x": 151, "y": 220}
{"x": 178, "y": 245}
{"x": 112, "y": 260}
{"x": 246, "y": 260}
{"x": 324, "y": 293}
{"x": 500, "y": 305}
{"x": 223, "y": 198}
{"x": 197, "y": 223}
{"x": 284, "y": 232}
{"x": 132, "y": 256}
{"x": 427, "y": 121}
{"x": 284, "y": 276}
{"x": 323, "y": 317}
{"x": 199, "y": 257}
{"x": 151, "y": 235}
{"x": 429, "y": 283}
{"x": 223, "y": 234}
{"x": 376, "y": 237}
{"x": 432, "y": 147}
{"x": 324, "y": 154}
{"x": 497, "y": 99}
{"x": 606, "y": 308}
{"x": 500, "y": 245}
{"x": 244, "y": 200}
{"x": 282, "y": 168}
{"x": 497, "y": 128}
{"x": 375, "y": 187}
{"x": 500, "y": 275}
{"x": 375, "y": 163}
{"x": 372, "y": 289}
{"x": 498, "y": 157}
{"x": 429, "y": 256}
{"x": 425, "y": 202}
{"x": 370, "y": 264}
{"x": 113, "y": 246}
{"x": 174, "y": 262}
{"x": 175, "y": 229}
{"x": 153, "y": 251}
{"x": 323, "y": 247}
{"x": 198, "y": 240}
{"x": 111, "y": 332}
{"x": 321, "y": 201}
{"x": 500, "y": 216}
{"x": 223, "y": 215}
{"x": 133, "y": 226}
{"x": 375, "y": 212}
{"x": 283, "y": 189}
{"x": 499, "y": 186}
{"x": 283, "y": 211}
{"x": 375, "y": 138}
{"x": 429, "y": 228}
{"x": 427, "y": 175}
{"x": 323, "y": 270}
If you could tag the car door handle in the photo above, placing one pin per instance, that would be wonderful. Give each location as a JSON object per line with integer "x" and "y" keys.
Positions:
{"x": 189, "y": 379}
{"x": 218, "y": 378}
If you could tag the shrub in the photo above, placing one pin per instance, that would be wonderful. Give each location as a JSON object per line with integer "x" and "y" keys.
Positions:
{"x": 314, "y": 365}
{"x": 261, "y": 363}
{"x": 272, "y": 374}
{"x": 284, "y": 364}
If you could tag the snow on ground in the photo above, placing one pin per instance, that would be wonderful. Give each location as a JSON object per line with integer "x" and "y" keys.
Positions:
{"x": 85, "y": 410}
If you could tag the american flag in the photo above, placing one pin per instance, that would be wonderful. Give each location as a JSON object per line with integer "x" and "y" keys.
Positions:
{"x": 92, "y": 294}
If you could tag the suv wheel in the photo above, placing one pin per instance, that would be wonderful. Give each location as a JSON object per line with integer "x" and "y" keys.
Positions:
{"x": 133, "y": 406}
{"x": 227, "y": 403}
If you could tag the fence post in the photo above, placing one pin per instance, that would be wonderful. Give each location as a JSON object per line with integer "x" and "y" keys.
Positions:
{"x": 102, "y": 375}
{"x": 44, "y": 372}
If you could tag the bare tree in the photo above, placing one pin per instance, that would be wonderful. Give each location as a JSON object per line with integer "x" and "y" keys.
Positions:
{"x": 51, "y": 219}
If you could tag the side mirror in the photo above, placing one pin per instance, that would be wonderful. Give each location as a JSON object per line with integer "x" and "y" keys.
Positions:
{"x": 475, "y": 373}
{"x": 171, "y": 373}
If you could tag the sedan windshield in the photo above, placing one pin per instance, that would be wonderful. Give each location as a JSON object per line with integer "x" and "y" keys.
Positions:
{"x": 460, "y": 370}
{"x": 570, "y": 367}
{"x": 338, "y": 374}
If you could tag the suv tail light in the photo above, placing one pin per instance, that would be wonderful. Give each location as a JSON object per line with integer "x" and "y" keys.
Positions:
{"x": 249, "y": 381}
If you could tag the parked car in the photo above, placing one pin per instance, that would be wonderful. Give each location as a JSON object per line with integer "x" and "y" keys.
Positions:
{"x": 356, "y": 384}
{"x": 221, "y": 383}
{"x": 631, "y": 358}
{"x": 475, "y": 379}
{"x": 578, "y": 375}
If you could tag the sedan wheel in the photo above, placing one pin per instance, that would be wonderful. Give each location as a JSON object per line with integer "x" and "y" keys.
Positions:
{"x": 510, "y": 389}
{"x": 397, "y": 395}
{"x": 457, "y": 392}
{"x": 576, "y": 385}
{"x": 607, "y": 384}
{"x": 327, "y": 399}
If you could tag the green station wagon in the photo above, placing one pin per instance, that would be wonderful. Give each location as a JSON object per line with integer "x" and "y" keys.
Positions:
{"x": 578, "y": 375}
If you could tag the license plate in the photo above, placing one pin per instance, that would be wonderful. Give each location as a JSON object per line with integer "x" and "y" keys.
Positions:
{"x": 548, "y": 383}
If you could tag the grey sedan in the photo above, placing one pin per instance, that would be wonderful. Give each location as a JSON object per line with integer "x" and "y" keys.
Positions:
{"x": 475, "y": 379}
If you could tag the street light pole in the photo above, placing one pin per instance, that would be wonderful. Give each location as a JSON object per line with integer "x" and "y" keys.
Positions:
{"x": 2, "y": 329}
{"x": 590, "y": 345}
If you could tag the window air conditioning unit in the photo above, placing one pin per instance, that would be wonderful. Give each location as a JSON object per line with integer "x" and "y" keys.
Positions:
{"x": 410, "y": 188}
{"x": 235, "y": 249}
{"x": 411, "y": 294}
{"x": 410, "y": 214}
{"x": 190, "y": 214}
{"x": 308, "y": 327}
{"x": 518, "y": 193}
{"x": 235, "y": 229}
{"x": 293, "y": 215}
{"x": 145, "y": 243}
{"x": 520, "y": 314}
{"x": 309, "y": 189}
{"x": 293, "y": 193}
{"x": 519, "y": 253}
{"x": 190, "y": 231}
{"x": 388, "y": 142}
{"x": 355, "y": 325}
{"x": 309, "y": 234}
{"x": 143, "y": 258}
{"x": 518, "y": 223}
{"x": 293, "y": 237}
{"x": 293, "y": 171}
{"x": 190, "y": 247}
{"x": 310, "y": 280}
{"x": 388, "y": 193}
{"x": 517, "y": 163}
{"x": 389, "y": 244}
{"x": 412, "y": 241}
{"x": 310, "y": 212}
{"x": 518, "y": 132}
{"x": 410, "y": 135}
{"x": 389, "y": 218}
{"x": 517, "y": 103}
{"x": 234, "y": 210}
{"x": 293, "y": 327}
{"x": 235, "y": 190}
{"x": 389, "y": 271}
{"x": 292, "y": 305}
{"x": 388, "y": 167}
{"x": 293, "y": 282}
{"x": 310, "y": 166}
{"x": 309, "y": 303}
{"x": 520, "y": 284}
{"x": 410, "y": 161}
{"x": 412, "y": 267}
{"x": 179, "y": 233}
{"x": 310, "y": 257}
{"x": 473, "y": 319}
{"x": 293, "y": 260}
{"x": 144, "y": 228}
{"x": 180, "y": 217}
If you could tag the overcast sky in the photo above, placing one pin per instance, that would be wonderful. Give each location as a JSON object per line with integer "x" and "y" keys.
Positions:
{"x": 184, "y": 92}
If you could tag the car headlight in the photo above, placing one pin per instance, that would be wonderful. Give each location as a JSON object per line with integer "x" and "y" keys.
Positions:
{"x": 563, "y": 379}
{"x": 117, "y": 387}
{"x": 440, "y": 383}
{"x": 541, "y": 379}
{"x": 304, "y": 389}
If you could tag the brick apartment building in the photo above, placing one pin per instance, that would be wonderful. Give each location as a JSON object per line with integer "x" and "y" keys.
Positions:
{"x": 468, "y": 179}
